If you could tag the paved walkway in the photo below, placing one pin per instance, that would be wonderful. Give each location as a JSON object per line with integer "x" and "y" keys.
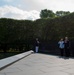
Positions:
{"x": 40, "y": 64}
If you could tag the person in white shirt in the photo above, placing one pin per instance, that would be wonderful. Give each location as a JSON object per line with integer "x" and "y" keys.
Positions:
{"x": 61, "y": 46}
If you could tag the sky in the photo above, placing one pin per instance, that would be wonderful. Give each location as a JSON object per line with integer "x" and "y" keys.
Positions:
{"x": 30, "y": 9}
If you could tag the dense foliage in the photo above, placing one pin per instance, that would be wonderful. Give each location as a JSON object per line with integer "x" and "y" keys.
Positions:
{"x": 20, "y": 33}
{"x": 45, "y": 13}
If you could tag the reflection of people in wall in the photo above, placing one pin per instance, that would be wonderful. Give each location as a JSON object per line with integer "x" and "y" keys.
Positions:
{"x": 67, "y": 46}
{"x": 61, "y": 46}
{"x": 37, "y": 45}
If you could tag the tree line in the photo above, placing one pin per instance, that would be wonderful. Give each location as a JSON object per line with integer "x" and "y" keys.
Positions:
{"x": 20, "y": 33}
{"x": 45, "y": 13}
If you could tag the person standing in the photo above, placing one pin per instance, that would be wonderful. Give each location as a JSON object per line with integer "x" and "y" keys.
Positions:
{"x": 67, "y": 47}
{"x": 61, "y": 46}
{"x": 37, "y": 45}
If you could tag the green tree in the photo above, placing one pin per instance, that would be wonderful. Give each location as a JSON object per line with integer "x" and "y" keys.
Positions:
{"x": 62, "y": 13}
{"x": 47, "y": 14}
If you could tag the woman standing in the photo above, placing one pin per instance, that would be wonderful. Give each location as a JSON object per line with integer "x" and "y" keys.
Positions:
{"x": 61, "y": 46}
{"x": 37, "y": 45}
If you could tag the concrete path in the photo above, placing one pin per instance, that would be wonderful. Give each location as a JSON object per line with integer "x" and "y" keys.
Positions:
{"x": 9, "y": 60}
{"x": 40, "y": 64}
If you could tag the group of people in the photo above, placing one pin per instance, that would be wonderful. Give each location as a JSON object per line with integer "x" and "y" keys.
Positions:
{"x": 64, "y": 46}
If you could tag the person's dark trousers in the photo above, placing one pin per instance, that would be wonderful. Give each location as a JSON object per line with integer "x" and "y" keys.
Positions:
{"x": 67, "y": 52}
{"x": 62, "y": 51}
